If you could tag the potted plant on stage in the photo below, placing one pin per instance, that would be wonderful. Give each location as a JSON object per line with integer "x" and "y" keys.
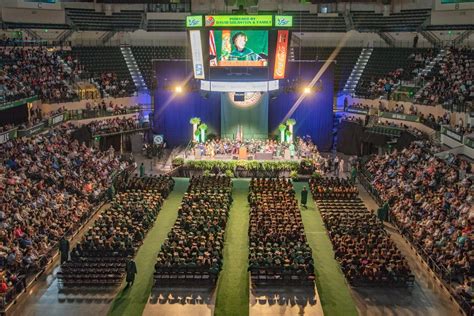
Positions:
{"x": 195, "y": 122}
{"x": 289, "y": 136}
{"x": 290, "y": 122}
{"x": 282, "y": 128}
{"x": 203, "y": 128}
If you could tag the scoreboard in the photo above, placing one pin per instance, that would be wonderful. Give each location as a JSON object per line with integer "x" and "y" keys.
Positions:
{"x": 239, "y": 48}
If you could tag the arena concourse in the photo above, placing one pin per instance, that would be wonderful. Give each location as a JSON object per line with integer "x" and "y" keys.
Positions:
{"x": 243, "y": 158}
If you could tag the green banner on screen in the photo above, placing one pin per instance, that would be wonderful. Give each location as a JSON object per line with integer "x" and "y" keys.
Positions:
{"x": 239, "y": 20}
{"x": 283, "y": 21}
{"x": 194, "y": 21}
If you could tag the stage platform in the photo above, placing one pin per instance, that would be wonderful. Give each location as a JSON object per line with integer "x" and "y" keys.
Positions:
{"x": 236, "y": 157}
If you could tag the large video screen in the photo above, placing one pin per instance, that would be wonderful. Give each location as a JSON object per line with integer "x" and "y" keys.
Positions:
{"x": 238, "y": 48}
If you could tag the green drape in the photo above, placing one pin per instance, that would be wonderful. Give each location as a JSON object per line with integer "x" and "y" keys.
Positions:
{"x": 253, "y": 120}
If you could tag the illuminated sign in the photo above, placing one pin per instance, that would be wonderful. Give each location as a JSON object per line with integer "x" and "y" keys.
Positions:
{"x": 283, "y": 21}
{"x": 280, "y": 55}
{"x": 194, "y": 21}
{"x": 196, "y": 51}
{"x": 239, "y": 20}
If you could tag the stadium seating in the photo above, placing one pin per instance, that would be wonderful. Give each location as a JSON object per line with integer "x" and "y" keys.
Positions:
{"x": 385, "y": 61}
{"x": 145, "y": 54}
{"x": 87, "y": 19}
{"x": 404, "y": 21}
{"x": 345, "y": 60}
{"x": 166, "y": 25}
{"x": 99, "y": 61}
{"x": 430, "y": 203}
{"x": 309, "y": 22}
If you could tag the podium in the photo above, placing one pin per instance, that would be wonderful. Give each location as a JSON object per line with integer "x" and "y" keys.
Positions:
{"x": 243, "y": 153}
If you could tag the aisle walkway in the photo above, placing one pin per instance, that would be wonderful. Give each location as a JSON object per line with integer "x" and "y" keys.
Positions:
{"x": 331, "y": 284}
{"x": 233, "y": 284}
{"x": 131, "y": 301}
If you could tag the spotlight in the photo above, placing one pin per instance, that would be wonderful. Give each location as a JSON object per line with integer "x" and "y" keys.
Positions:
{"x": 178, "y": 89}
{"x": 306, "y": 90}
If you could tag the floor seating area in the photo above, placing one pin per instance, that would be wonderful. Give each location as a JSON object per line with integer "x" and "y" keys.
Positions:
{"x": 192, "y": 253}
{"x": 145, "y": 54}
{"x": 99, "y": 259}
{"x": 403, "y": 21}
{"x": 367, "y": 255}
{"x": 278, "y": 249}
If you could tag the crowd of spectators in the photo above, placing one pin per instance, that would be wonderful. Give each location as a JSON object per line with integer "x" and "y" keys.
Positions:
{"x": 362, "y": 247}
{"x": 450, "y": 81}
{"x": 30, "y": 71}
{"x": 115, "y": 125}
{"x": 49, "y": 185}
{"x": 431, "y": 202}
{"x": 113, "y": 86}
{"x": 195, "y": 243}
{"x": 278, "y": 250}
{"x": 377, "y": 87}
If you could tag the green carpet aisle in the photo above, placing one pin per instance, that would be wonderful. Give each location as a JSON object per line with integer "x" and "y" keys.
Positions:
{"x": 132, "y": 301}
{"x": 233, "y": 284}
{"x": 332, "y": 287}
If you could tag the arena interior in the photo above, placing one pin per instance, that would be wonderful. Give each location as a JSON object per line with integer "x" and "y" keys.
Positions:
{"x": 236, "y": 157}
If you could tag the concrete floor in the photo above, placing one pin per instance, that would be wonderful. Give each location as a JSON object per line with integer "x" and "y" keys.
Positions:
{"x": 287, "y": 301}
{"x": 181, "y": 301}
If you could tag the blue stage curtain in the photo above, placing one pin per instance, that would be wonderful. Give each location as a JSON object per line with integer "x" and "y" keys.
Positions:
{"x": 253, "y": 120}
{"x": 314, "y": 116}
{"x": 173, "y": 111}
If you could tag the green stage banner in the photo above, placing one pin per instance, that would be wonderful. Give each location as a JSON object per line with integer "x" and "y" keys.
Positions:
{"x": 239, "y": 20}
{"x": 452, "y": 134}
{"x": 55, "y": 120}
{"x": 6, "y": 136}
{"x": 32, "y": 130}
{"x": 9, "y": 105}
{"x": 194, "y": 21}
{"x": 283, "y": 21}
{"x": 398, "y": 116}
{"x": 469, "y": 142}
{"x": 357, "y": 111}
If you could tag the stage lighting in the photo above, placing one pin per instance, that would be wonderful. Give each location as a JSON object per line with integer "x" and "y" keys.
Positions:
{"x": 178, "y": 89}
{"x": 306, "y": 90}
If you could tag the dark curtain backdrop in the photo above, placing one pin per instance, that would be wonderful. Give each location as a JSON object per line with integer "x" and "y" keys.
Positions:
{"x": 314, "y": 116}
{"x": 16, "y": 115}
{"x": 173, "y": 112}
{"x": 349, "y": 138}
{"x": 253, "y": 119}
